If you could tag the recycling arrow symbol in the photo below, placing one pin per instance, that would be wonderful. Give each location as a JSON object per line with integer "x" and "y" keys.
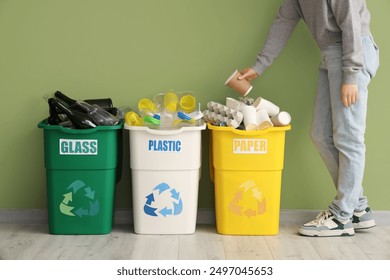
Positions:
{"x": 90, "y": 208}
{"x": 171, "y": 203}
{"x": 248, "y": 191}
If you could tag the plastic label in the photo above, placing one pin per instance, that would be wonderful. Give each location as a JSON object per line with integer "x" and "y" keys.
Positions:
{"x": 250, "y": 146}
{"x": 78, "y": 147}
{"x": 164, "y": 145}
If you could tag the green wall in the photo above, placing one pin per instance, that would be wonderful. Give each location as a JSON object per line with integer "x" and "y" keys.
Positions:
{"x": 127, "y": 49}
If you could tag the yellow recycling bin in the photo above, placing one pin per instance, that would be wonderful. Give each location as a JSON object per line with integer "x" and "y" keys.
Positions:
{"x": 246, "y": 168}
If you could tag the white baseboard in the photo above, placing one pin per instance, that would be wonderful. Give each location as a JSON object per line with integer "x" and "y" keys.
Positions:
{"x": 205, "y": 216}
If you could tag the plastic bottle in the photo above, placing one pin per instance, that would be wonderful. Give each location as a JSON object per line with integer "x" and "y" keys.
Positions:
{"x": 197, "y": 116}
{"x": 166, "y": 120}
{"x": 80, "y": 120}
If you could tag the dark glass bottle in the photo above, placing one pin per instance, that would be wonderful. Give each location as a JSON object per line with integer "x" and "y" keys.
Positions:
{"x": 105, "y": 103}
{"x": 95, "y": 112}
{"x": 53, "y": 118}
{"x": 98, "y": 114}
{"x": 80, "y": 120}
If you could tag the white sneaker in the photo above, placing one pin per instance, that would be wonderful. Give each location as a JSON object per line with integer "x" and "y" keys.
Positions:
{"x": 325, "y": 224}
{"x": 363, "y": 219}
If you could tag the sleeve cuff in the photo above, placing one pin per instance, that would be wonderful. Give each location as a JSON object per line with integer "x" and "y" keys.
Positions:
{"x": 259, "y": 69}
{"x": 350, "y": 78}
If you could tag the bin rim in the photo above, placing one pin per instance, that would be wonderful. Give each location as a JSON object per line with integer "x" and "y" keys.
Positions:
{"x": 44, "y": 125}
{"x": 248, "y": 133}
{"x": 165, "y": 131}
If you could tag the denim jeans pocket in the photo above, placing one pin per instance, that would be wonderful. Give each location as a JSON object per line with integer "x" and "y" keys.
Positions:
{"x": 371, "y": 55}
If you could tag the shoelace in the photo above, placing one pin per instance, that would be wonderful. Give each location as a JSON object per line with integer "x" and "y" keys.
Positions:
{"x": 324, "y": 215}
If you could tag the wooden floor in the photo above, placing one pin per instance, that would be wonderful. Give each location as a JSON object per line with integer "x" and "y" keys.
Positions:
{"x": 18, "y": 242}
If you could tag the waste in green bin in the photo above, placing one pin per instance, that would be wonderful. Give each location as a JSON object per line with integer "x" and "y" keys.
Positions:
{"x": 81, "y": 172}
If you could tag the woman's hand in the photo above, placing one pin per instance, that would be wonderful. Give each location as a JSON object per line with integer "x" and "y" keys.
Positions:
{"x": 349, "y": 94}
{"x": 248, "y": 74}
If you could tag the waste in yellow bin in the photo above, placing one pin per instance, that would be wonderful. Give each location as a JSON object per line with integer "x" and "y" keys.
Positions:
{"x": 246, "y": 167}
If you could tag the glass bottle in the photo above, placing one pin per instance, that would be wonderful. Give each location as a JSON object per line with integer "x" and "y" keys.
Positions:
{"x": 95, "y": 112}
{"x": 105, "y": 103}
{"x": 80, "y": 120}
{"x": 53, "y": 118}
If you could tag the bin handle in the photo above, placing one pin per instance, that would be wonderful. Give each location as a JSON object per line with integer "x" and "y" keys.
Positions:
{"x": 249, "y": 132}
{"x": 168, "y": 132}
{"x": 164, "y": 132}
{"x": 43, "y": 124}
{"x": 211, "y": 159}
{"x": 252, "y": 133}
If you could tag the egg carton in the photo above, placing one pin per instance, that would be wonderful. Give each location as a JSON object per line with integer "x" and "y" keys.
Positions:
{"x": 217, "y": 113}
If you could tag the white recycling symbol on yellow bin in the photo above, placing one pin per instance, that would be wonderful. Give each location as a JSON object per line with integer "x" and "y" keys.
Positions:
{"x": 250, "y": 194}
{"x": 75, "y": 187}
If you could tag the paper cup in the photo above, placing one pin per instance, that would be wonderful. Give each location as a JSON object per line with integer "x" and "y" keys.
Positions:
{"x": 243, "y": 87}
{"x": 235, "y": 104}
{"x": 264, "y": 104}
{"x": 250, "y": 118}
{"x": 232, "y": 103}
{"x": 281, "y": 119}
{"x": 263, "y": 120}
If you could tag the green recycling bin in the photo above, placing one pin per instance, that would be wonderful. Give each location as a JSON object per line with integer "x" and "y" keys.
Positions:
{"x": 81, "y": 174}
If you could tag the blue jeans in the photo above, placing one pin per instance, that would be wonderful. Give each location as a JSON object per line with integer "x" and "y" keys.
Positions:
{"x": 338, "y": 132}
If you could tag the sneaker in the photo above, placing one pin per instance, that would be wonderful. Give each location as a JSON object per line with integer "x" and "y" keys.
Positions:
{"x": 325, "y": 224}
{"x": 363, "y": 219}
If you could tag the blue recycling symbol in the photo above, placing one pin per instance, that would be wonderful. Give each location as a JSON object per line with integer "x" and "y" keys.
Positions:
{"x": 173, "y": 207}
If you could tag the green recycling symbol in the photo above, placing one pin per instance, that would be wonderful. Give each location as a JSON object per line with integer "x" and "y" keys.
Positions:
{"x": 76, "y": 186}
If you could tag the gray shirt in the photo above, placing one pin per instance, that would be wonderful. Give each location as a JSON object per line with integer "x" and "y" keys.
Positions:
{"x": 329, "y": 21}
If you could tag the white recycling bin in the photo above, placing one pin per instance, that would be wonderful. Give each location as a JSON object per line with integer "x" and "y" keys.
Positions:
{"x": 165, "y": 170}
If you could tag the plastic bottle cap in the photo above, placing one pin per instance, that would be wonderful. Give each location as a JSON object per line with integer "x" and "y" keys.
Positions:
{"x": 183, "y": 116}
{"x": 151, "y": 120}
